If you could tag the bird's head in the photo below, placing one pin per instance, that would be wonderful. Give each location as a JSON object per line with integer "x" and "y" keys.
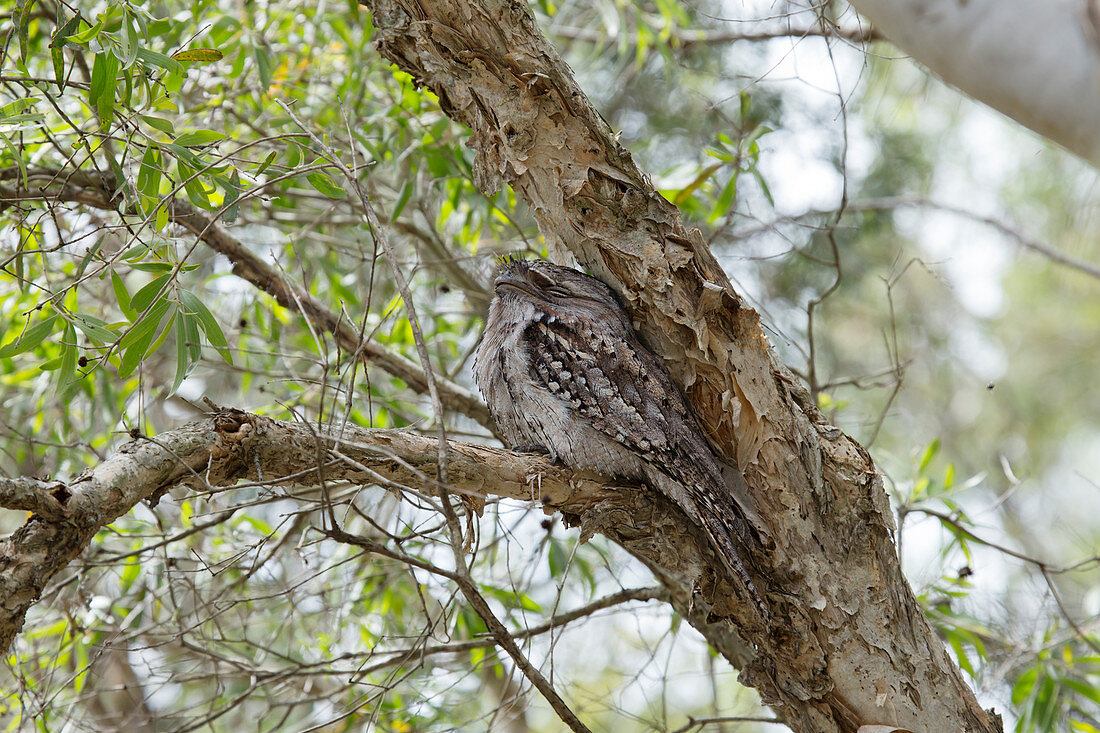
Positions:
{"x": 558, "y": 291}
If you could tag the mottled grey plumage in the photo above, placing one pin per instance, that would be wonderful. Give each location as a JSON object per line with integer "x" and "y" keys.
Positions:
{"x": 559, "y": 366}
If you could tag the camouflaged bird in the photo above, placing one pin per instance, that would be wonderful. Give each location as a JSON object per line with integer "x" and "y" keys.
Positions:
{"x": 560, "y": 367}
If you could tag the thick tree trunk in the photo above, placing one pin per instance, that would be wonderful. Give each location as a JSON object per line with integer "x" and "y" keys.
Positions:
{"x": 1037, "y": 61}
{"x": 850, "y": 645}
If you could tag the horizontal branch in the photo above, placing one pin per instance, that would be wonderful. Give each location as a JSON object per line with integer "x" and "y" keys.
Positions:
{"x": 45, "y": 498}
{"x": 889, "y": 203}
{"x": 98, "y": 192}
{"x": 232, "y": 446}
{"x": 849, "y": 645}
{"x": 686, "y": 38}
{"x": 1024, "y": 240}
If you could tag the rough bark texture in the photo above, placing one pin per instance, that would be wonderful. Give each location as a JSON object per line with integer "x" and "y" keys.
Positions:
{"x": 1037, "y": 61}
{"x": 851, "y": 646}
{"x": 229, "y": 447}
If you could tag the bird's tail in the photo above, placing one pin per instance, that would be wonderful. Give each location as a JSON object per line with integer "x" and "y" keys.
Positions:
{"x": 718, "y": 529}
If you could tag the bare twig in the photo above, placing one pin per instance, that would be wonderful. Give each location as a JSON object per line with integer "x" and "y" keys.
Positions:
{"x": 97, "y": 192}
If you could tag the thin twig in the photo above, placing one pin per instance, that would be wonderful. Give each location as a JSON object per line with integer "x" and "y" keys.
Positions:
{"x": 461, "y": 576}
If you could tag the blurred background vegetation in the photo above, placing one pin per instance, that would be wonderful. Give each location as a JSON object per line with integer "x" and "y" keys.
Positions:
{"x": 838, "y": 184}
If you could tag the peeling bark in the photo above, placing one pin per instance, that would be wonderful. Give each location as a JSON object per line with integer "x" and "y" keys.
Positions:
{"x": 851, "y": 646}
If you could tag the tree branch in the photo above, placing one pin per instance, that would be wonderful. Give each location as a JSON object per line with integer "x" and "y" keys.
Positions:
{"x": 45, "y": 498}
{"x": 98, "y": 192}
{"x": 852, "y": 646}
{"x": 228, "y": 447}
{"x": 686, "y": 38}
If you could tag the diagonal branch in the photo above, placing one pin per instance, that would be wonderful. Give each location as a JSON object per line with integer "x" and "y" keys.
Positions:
{"x": 98, "y": 192}
{"x": 853, "y": 647}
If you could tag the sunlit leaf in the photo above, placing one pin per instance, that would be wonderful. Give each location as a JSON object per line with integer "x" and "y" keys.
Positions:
{"x": 30, "y": 338}
{"x": 198, "y": 56}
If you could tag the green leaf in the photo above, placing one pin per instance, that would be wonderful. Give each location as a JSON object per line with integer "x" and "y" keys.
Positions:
{"x": 527, "y": 603}
{"x": 87, "y": 258}
{"x": 104, "y": 83}
{"x": 263, "y": 66}
{"x": 293, "y": 154}
{"x": 130, "y": 574}
{"x": 30, "y": 338}
{"x": 94, "y": 328}
{"x": 155, "y": 267}
{"x": 183, "y": 355}
{"x": 208, "y": 323}
{"x": 160, "y": 60}
{"x": 148, "y": 180}
{"x": 231, "y": 188}
{"x": 66, "y": 28}
{"x": 198, "y": 56}
{"x": 129, "y": 40}
{"x": 324, "y": 184}
{"x": 159, "y": 123}
{"x": 121, "y": 295}
{"x": 557, "y": 558}
{"x": 12, "y": 109}
{"x": 700, "y": 179}
{"x": 22, "y": 20}
{"x": 185, "y": 155}
{"x": 149, "y": 321}
{"x": 137, "y": 340}
{"x": 85, "y": 36}
{"x": 68, "y": 360}
{"x": 402, "y": 199}
{"x": 200, "y": 137}
{"x": 960, "y": 653}
{"x": 929, "y": 454}
{"x": 1024, "y": 686}
{"x": 763, "y": 185}
{"x": 267, "y": 161}
{"x": 724, "y": 202}
{"x": 194, "y": 340}
{"x": 144, "y": 297}
{"x": 58, "y": 58}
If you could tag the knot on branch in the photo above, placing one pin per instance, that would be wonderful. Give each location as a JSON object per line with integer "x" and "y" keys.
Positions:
{"x": 60, "y": 493}
{"x": 233, "y": 428}
{"x": 234, "y": 432}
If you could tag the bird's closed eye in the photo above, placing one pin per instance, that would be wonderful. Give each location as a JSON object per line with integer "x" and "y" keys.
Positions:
{"x": 540, "y": 280}
{"x": 547, "y": 285}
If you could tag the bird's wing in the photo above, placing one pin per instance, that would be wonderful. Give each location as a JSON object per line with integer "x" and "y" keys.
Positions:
{"x": 622, "y": 391}
{"x": 609, "y": 382}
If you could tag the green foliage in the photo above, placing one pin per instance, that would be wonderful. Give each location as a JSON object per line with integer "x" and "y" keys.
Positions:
{"x": 116, "y": 312}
